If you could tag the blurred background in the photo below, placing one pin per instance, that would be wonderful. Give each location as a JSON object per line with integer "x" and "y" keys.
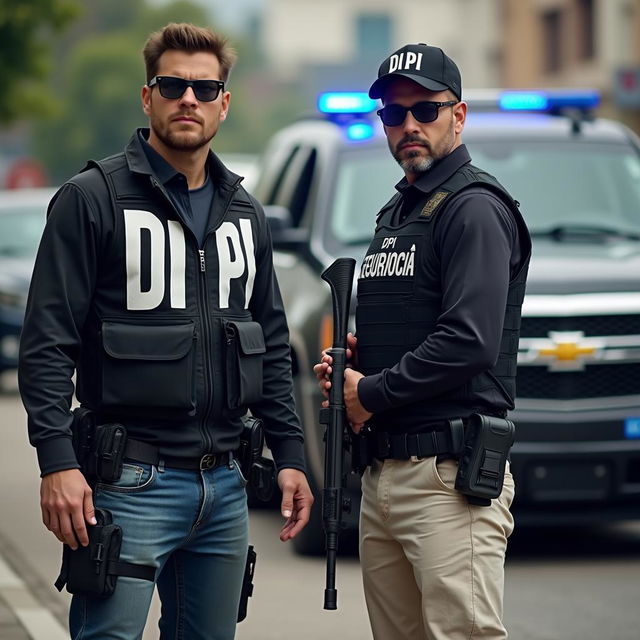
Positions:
{"x": 71, "y": 70}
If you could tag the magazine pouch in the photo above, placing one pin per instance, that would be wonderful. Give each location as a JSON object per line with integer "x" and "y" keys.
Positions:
{"x": 244, "y": 353}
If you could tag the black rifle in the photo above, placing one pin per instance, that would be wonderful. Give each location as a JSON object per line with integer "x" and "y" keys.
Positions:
{"x": 340, "y": 278}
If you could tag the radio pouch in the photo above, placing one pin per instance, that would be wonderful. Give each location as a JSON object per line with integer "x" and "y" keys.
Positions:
{"x": 244, "y": 351}
{"x": 247, "y": 583}
{"x": 482, "y": 464}
{"x": 93, "y": 570}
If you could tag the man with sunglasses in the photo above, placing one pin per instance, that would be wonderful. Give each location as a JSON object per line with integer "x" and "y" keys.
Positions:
{"x": 439, "y": 298}
{"x": 154, "y": 281}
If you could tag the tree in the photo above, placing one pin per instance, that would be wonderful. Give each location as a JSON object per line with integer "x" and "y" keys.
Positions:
{"x": 25, "y": 41}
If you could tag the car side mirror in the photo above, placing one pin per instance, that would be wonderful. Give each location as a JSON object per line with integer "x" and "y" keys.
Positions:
{"x": 285, "y": 236}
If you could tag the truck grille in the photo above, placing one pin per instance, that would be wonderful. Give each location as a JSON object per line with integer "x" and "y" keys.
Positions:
{"x": 617, "y": 338}
{"x": 596, "y": 381}
{"x": 622, "y": 325}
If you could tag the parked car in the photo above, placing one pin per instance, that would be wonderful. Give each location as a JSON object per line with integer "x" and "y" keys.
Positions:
{"x": 22, "y": 219}
{"x": 577, "y": 453}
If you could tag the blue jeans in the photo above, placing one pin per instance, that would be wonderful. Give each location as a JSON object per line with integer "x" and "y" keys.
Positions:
{"x": 193, "y": 527}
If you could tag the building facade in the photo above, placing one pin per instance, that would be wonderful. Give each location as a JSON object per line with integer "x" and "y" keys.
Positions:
{"x": 576, "y": 43}
{"x": 347, "y": 39}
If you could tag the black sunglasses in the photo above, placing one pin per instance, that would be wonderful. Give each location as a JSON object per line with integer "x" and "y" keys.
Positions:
{"x": 174, "y": 88}
{"x": 394, "y": 114}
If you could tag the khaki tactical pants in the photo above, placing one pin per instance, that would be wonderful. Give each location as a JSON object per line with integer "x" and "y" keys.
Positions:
{"x": 432, "y": 564}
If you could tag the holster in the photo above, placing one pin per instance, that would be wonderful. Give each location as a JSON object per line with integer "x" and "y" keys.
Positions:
{"x": 99, "y": 448}
{"x": 247, "y": 583}
{"x": 483, "y": 460}
{"x": 258, "y": 470}
{"x": 93, "y": 570}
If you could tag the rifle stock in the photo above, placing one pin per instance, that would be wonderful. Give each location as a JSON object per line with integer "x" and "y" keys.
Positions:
{"x": 340, "y": 278}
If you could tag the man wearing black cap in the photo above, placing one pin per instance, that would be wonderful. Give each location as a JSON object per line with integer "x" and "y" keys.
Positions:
{"x": 439, "y": 298}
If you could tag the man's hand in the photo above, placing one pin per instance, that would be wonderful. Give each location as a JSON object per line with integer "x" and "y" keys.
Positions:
{"x": 296, "y": 502}
{"x": 356, "y": 413}
{"x": 323, "y": 368}
{"x": 66, "y": 502}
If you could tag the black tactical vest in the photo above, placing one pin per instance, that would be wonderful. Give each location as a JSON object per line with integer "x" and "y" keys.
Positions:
{"x": 399, "y": 302}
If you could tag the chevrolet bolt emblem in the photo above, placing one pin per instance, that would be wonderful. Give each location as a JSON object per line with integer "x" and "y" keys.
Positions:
{"x": 565, "y": 351}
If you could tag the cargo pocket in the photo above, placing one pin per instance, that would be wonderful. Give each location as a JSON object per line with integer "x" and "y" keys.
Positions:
{"x": 244, "y": 353}
{"x": 149, "y": 366}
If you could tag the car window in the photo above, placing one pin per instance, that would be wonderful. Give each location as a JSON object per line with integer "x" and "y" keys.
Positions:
{"x": 567, "y": 183}
{"x": 20, "y": 231}
{"x": 366, "y": 180}
{"x": 557, "y": 183}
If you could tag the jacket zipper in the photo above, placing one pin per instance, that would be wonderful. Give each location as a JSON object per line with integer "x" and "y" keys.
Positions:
{"x": 205, "y": 303}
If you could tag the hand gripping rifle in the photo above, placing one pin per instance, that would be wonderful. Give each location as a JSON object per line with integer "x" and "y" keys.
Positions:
{"x": 340, "y": 278}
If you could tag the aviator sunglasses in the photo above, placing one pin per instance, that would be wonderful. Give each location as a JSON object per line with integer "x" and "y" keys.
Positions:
{"x": 394, "y": 114}
{"x": 174, "y": 88}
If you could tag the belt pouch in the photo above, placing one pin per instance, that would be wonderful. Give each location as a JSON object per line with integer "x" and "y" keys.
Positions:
{"x": 258, "y": 470}
{"x": 244, "y": 352}
{"x": 86, "y": 570}
{"x": 109, "y": 449}
{"x": 483, "y": 460}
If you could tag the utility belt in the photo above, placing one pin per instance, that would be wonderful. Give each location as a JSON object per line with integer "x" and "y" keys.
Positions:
{"x": 101, "y": 450}
{"x": 480, "y": 443}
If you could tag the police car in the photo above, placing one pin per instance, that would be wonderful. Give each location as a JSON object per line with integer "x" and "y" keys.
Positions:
{"x": 577, "y": 178}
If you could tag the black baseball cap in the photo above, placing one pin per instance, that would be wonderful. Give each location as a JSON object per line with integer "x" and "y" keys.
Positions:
{"x": 429, "y": 66}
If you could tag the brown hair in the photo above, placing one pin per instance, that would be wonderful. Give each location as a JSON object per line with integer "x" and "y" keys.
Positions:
{"x": 187, "y": 37}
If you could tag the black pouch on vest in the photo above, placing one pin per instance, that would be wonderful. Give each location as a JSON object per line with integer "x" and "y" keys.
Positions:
{"x": 244, "y": 349}
{"x": 247, "y": 583}
{"x": 93, "y": 570}
{"x": 483, "y": 460}
{"x": 150, "y": 366}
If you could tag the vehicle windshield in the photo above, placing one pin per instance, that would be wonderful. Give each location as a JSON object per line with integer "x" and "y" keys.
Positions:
{"x": 586, "y": 186}
{"x": 20, "y": 230}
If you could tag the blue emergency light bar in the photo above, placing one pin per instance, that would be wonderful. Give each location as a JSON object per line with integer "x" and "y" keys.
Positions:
{"x": 360, "y": 131}
{"x": 346, "y": 102}
{"x": 549, "y": 100}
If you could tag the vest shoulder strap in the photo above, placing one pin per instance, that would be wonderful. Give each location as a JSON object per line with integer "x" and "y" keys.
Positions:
{"x": 390, "y": 206}
{"x": 466, "y": 177}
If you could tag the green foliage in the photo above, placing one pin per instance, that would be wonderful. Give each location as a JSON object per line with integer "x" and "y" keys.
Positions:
{"x": 101, "y": 105}
{"x": 25, "y": 33}
{"x": 101, "y": 73}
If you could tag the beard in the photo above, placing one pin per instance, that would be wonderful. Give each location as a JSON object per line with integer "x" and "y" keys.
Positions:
{"x": 180, "y": 140}
{"x": 416, "y": 161}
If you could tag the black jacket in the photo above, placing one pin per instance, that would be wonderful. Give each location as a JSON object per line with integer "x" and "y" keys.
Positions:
{"x": 439, "y": 299}
{"x": 122, "y": 292}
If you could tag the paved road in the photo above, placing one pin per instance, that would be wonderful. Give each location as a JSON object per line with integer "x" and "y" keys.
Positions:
{"x": 561, "y": 585}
